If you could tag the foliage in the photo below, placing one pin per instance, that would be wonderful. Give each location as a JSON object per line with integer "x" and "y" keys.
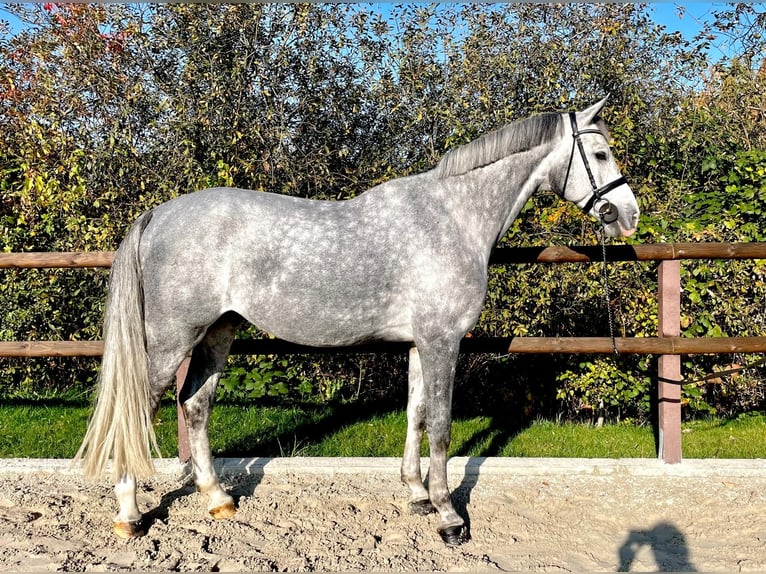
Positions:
{"x": 108, "y": 110}
{"x": 280, "y": 376}
{"x": 723, "y": 298}
{"x": 601, "y": 386}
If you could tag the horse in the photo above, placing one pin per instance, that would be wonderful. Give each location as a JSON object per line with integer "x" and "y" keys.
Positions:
{"x": 405, "y": 261}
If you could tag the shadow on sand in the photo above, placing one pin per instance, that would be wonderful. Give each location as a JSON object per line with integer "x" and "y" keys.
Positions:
{"x": 666, "y": 542}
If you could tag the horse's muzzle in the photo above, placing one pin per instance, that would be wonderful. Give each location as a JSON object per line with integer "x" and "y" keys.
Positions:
{"x": 610, "y": 218}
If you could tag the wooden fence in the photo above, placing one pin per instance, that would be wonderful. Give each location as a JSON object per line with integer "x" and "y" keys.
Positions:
{"x": 668, "y": 344}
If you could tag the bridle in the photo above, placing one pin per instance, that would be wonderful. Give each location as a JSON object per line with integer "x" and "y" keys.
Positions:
{"x": 606, "y": 210}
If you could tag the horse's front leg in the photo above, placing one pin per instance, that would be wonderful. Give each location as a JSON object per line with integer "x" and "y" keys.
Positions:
{"x": 127, "y": 523}
{"x": 439, "y": 374}
{"x": 416, "y": 425}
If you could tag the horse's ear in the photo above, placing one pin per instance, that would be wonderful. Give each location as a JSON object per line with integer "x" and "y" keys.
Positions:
{"x": 588, "y": 115}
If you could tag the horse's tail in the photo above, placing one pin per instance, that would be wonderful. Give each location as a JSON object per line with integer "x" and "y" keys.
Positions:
{"x": 120, "y": 426}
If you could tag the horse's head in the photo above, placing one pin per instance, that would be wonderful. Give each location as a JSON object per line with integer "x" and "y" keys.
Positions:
{"x": 585, "y": 173}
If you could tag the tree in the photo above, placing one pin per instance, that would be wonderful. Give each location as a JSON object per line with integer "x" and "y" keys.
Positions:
{"x": 109, "y": 110}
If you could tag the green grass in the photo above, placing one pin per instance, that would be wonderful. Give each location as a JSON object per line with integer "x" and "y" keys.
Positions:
{"x": 38, "y": 431}
{"x": 41, "y": 431}
{"x": 742, "y": 437}
{"x": 582, "y": 441}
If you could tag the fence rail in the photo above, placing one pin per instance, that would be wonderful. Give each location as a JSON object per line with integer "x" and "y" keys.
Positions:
{"x": 554, "y": 254}
{"x": 669, "y": 345}
{"x": 520, "y": 345}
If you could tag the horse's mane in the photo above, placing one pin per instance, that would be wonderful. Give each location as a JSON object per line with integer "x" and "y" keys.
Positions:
{"x": 521, "y": 135}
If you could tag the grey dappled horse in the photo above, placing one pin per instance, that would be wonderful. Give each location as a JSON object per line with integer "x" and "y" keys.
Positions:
{"x": 405, "y": 261}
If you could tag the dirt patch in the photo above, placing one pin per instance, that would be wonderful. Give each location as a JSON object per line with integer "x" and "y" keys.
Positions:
{"x": 343, "y": 522}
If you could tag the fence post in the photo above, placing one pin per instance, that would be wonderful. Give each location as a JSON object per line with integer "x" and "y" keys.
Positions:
{"x": 669, "y": 366}
{"x": 184, "y": 452}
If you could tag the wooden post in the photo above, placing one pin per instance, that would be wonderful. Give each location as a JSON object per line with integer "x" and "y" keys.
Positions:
{"x": 184, "y": 452}
{"x": 669, "y": 394}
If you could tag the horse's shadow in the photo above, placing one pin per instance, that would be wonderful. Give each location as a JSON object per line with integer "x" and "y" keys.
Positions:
{"x": 461, "y": 496}
{"x": 239, "y": 487}
{"x": 161, "y": 512}
{"x": 487, "y": 442}
{"x": 302, "y": 433}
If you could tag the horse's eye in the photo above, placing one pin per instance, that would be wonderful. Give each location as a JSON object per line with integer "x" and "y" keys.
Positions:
{"x": 601, "y": 155}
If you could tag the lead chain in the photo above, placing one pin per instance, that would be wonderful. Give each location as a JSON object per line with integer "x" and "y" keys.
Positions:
{"x": 610, "y": 315}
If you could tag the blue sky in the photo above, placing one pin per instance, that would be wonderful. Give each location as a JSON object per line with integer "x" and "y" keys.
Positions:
{"x": 695, "y": 14}
{"x": 691, "y": 20}
{"x": 665, "y": 13}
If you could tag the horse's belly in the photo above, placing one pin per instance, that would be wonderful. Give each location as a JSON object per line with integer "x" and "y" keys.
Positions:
{"x": 330, "y": 326}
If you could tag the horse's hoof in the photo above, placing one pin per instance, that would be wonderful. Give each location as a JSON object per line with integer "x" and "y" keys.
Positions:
{"x": 455, "y": 535}
{"x": 421, "y": 507}
{"x": 224, "y": 511}
{"x": 127, "y": 530}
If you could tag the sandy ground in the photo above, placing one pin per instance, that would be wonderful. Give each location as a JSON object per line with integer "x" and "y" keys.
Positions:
{"x": 573, "y": 518}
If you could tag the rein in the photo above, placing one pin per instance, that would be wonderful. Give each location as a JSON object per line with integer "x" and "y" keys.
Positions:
{"x": 711, "y": 375}
{"x": 715, "y": 374}
{"x": 610, "y": 314}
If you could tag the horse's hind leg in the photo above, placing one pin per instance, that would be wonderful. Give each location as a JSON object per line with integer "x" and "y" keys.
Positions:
{"x": 163, "y": 365}
{"x": 127, "y": 523}
{"x": 197, "y": 395}
{"x": 416, "y": 425}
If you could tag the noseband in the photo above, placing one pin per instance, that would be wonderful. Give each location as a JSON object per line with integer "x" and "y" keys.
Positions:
{"x": 606, "y": 211}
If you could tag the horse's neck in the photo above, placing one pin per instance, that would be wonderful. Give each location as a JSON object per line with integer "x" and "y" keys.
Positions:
{"x": 487, "y": 200}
